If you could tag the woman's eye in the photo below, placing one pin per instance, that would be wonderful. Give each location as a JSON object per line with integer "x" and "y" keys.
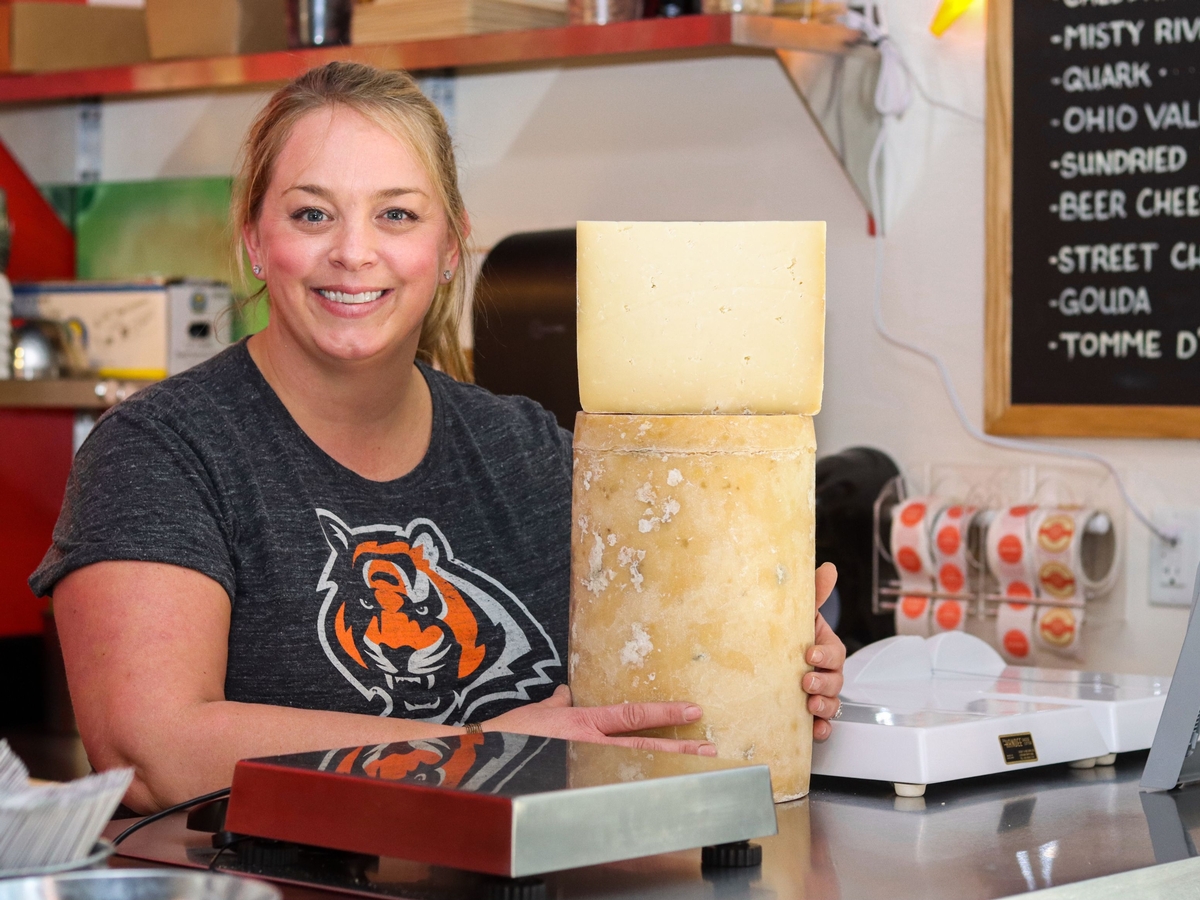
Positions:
{"x": 399, "y": 215}
{"x": 309, "y": 215}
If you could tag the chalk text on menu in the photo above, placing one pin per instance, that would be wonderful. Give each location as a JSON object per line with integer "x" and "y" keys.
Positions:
{"x": 1106, "y": 202}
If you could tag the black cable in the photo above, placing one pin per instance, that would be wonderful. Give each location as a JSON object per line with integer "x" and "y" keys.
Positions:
{"x": 222, "y": 841}
{"x": 186, "y": 804}
{"x": 212, "y": 865}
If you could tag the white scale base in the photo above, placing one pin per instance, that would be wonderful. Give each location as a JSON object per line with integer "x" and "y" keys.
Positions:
{"x": 920, "y": 711}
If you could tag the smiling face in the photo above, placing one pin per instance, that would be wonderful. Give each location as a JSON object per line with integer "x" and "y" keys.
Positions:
{"x": 352, "y": 240}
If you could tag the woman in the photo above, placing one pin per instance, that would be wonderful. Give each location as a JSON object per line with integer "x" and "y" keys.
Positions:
{"x": 316, "y": 539}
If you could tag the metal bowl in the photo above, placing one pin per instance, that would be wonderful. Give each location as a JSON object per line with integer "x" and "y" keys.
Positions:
{"x": 138, "y": 884}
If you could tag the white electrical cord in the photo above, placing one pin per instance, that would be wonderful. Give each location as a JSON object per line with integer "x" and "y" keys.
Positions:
{"x": 893, "y": 96}
{"x": 933, "y": 101}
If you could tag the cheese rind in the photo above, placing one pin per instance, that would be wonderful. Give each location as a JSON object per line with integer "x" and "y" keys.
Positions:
{"x": 692, "y": 577}
{"x": 691, "y": 318}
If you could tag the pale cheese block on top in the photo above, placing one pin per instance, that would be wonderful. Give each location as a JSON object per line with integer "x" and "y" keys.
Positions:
{"x": 697, "y": 318}
{"x": 692, "y": 566}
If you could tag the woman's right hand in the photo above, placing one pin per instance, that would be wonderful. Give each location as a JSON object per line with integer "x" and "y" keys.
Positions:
{"x": 556, "y": 717}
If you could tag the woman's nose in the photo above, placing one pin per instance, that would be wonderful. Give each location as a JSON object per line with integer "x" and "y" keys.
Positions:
{"x": 353, "y": 246}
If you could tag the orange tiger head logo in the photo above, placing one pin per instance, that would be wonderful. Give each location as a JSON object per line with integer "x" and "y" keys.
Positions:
{"x": 485, "y": 763}
{"x": 408, "y": 624}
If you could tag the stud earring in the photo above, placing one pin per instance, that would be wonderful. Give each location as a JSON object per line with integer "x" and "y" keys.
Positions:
{"x": 257, "y": 271}
{"x": 447, "y": 275}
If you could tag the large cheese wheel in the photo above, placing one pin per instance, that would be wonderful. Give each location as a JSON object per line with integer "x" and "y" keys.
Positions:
{"x": 692, "y": 577}
{"x": 697, "y": 318}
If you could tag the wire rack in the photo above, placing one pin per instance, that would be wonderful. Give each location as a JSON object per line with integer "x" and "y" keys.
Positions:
{"x": 991, "y": 490}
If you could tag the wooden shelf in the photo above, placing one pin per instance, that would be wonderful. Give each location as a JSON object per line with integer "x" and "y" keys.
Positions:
{"x": 67, "y": 393}
{"x": 687, "y": 34}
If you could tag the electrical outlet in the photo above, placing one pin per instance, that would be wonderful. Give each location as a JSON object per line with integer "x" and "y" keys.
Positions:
{"x": 1173, "y": 568}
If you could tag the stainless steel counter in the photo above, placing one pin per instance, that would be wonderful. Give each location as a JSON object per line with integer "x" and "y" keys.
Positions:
{"x": 984, "y": 838}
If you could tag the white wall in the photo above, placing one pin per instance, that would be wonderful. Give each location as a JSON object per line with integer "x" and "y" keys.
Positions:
{"x": 727, "y": 138}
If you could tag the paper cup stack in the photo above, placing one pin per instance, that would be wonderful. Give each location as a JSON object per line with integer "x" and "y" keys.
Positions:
{"x": 52, "y": 825}
{"x": 701, "y": 357}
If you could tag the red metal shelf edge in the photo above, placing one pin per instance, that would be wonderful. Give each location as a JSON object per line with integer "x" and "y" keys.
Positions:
{"x": 688, "y": 33}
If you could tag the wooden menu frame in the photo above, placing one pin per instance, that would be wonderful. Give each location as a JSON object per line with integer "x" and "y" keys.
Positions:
{"x": 1001, "y": 416}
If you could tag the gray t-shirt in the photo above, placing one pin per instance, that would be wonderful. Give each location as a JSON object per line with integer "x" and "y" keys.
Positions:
{"x": 440, "y": 596}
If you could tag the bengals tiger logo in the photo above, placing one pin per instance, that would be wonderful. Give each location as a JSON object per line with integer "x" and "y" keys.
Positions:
{"x": 484, "y": 763}
{"x": 425, "y": 634}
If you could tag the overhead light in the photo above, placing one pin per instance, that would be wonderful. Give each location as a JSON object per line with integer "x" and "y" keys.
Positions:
{"x": 948, "y": 14}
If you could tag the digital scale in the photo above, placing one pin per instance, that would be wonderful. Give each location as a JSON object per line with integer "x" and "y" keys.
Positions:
{"x": 920, "y": 711}
{"x": 507, "y": 805}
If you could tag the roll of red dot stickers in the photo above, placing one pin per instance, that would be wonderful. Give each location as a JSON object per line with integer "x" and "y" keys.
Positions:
{"x": 910, "y": 552}
{"x": 949, "y": 552}
{"x": 1011, "y": 561}
{"x": 1057, "y": 542}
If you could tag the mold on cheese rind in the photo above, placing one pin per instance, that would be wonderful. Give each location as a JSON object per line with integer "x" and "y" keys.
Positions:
{"x": 636, "y": 649}
{"x": 597, "y": 578}
{"x": 727, "y": 631}
{"x": 670, "y": 508}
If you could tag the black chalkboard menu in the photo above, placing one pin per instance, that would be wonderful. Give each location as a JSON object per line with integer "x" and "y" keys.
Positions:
{"x": 1103, "y": 305}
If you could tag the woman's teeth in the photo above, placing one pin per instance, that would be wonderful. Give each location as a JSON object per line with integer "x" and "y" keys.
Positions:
{"x": 342, "y": 297}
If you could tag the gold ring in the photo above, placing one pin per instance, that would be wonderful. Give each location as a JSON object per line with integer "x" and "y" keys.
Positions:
{"x": 473, "y": 728}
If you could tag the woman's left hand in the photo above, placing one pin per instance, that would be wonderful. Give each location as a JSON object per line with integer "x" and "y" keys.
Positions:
{"x": 826, "y": 655}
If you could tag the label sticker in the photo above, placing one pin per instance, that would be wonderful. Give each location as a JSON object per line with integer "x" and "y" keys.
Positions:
{"x": 1018, "y": 748}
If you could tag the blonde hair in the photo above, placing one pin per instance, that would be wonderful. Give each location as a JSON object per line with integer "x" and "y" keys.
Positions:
{"x": 393, "y": 102}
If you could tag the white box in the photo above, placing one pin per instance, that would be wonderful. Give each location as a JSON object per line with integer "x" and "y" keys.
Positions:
{"x": 140, "y": 331}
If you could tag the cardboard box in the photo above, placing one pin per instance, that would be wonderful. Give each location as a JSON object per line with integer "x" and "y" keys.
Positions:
{"x": 385, "y": 21}
{"x": 180, "y": 28}
{"x": 140, "y": 331}
{"x": 48, "y": 37}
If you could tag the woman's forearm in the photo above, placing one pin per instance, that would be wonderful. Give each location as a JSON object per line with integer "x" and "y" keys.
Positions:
{"x": 195, "y": 751}
{"x": 145, "y": 650}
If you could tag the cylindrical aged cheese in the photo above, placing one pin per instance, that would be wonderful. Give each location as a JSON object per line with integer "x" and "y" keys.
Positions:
{"x": 692, "y": 577}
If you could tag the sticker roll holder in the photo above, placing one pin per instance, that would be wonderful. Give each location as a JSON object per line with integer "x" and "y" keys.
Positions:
{"x": 1031, "y": 566}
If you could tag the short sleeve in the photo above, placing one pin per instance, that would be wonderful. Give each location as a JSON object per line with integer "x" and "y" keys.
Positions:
{"x": 567, "y": 440}
{"x": 139, "y": 491}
